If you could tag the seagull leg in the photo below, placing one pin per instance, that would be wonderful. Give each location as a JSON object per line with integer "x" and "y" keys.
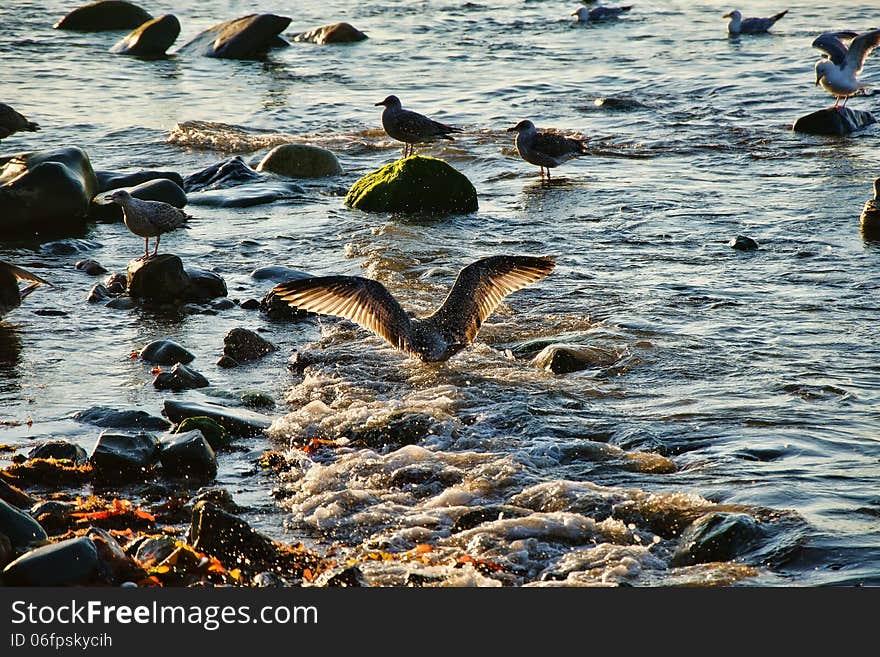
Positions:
{"x": 146, "y": 248}
{"x": 156, "y": 250}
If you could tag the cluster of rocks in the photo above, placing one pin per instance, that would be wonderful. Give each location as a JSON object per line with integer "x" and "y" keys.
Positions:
{"x": 247, "y": 37}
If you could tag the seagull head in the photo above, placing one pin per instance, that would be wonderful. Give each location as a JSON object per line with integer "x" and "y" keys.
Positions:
{"x": 582, "y": 13}
{"x": 823, "y": 67}
{"x": 523, "y": 126}
{"x": 119, "y": 196}
{"x": 734, "y": 15}
{"x": 390, "y": 101}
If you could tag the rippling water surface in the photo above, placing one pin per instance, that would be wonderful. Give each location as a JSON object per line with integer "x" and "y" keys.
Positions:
{"x": 742, "y": 383}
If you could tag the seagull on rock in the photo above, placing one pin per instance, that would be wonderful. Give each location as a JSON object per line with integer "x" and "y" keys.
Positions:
{"x": 838, "y": 72}
{"x": 740, "y": 25}
{"x": 476, "y": 293}
{"x": 148, "y": 218}
{"x": 586, "y": 15}
{"x": 411, "y": 127}
{"x": 10, "y": 294}
{"x": 12, "y": 122}
{"x": 545, "y": 149}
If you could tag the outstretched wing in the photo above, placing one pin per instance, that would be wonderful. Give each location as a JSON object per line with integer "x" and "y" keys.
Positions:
{"x": 555, "y": 145}
{"x": 830, "y": 43}
{"x": 481, "y": 286}
{"x": 10, "y": 295}
{"x": 860, "y": 48}
{"x": 360, "y": 300}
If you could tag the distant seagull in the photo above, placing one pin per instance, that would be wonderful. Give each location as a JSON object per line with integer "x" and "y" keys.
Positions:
{"x": 585, "y": 15}
{"x": 476, "y": 293}
{"x": 545, "y": 149}
{"x": 870, "y": 219}
{"x": 740, "y": 25}
{"x": 148, "y": 218}
{"x": 10, "y": 294}
{"x": 12, "y": 122}
{"x": 838, "y": 72}
{"x": 411, "y": 127}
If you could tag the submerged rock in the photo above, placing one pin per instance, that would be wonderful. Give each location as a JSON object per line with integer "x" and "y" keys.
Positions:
{"x": 248, "y": 37}
{"x": 109, "y": 180}
{"x": 397, "y": 429}
{"x": 743, "y": 243}
{"x": 165, "y": 352}
{"x": 238, "y": 422}
{"x": 222, "y": 175}
{"x": 836, "y": 122}
{"x": 151, "y": 39}
{"x": 90, "y": 267}
{"x": 717, "y": 537}
{"x": 300, "y": 161}
{"x": 246, "y": 196}
{"x": 19, "y": 527}
{"x": 188, "y": 454}
{"x": 414, "y": 184}
{"x": 45, "y": 191}
{"x": 102, "y": 16}
{"x": 278, "y": 274}
{"x": 104, "y": 416}
{"x": 121, "y": 454}
{"x": 205, "y": 285}
{"x": 213, "y": 431}
{"x": 66, "y": 563}
{"x": 159, "y": 189}
{"x": 243, "y": 345}
{"x": 58, "y": 448}
{"x": 342, "y": 577}
{"x": 566, "y": 358}
{"x": 335, "y": 33}
{"x": 179, "y": 378}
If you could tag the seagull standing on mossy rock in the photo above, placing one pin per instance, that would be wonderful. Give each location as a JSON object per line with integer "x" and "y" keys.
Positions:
{"x": 411, "y": 127}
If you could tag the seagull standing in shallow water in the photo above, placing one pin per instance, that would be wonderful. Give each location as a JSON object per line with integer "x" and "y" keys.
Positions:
{"x": 148, "y": 218}
{"x": 545, "y": 149}
{"x": 411, "y": 127}
{"x": 740, "y": 25}
{"x": 10, "y": 294}
{"x": 476, "y": 293}
{"x": 838, "y": 73}
{"x": 585, "y": 14}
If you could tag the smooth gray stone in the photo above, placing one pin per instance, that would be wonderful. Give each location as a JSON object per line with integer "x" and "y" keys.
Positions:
{"x": 58, "y": 448}
{"x": 223, "y": 175}
{"x": 19, "y": 527}
{"x": 108, "y": 180}
{"x": 248, "y": 37}
{"x": 104, "y": 416}
{"x": 66, "y": 563}
{"x": 187, "y": 454}
{"x": 160, "y": 278}
{"x": 204, "y": 285}
{"x": 103, "y": 15}
{"x": 116, "y": 454}
{"x": 159, "y": 189}
{"x": 834, "y": 122}
{"x": 278, "y": 274}
{"x": 248, "y": 195}
{"x": 151, "y": 39}
{"x": 180, "y": 378}
{"x": 165, "y": 352}
{"x": 236, "y": 421}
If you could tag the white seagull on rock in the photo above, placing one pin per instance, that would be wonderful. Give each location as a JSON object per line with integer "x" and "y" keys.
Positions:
{"x": 838, "y": 73}
{"x": 545, "y": 149}
{"x": 148, "y": 218}
{"x": 740, "y": 25}
{"x": 478, "y": 290}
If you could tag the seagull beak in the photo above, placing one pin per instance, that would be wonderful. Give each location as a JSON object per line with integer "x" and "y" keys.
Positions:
{"x": 378, "y": 104}
{"x": 727, "y": 15}
{"x": 513, "y": 129}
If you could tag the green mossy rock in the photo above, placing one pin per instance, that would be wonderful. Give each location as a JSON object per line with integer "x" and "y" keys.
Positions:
{"x": 414, "y": 184}
{"x": 214, "y": 433}
{"x": 301, "y": 161}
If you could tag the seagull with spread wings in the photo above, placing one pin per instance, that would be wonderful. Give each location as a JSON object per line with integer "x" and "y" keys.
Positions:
{"x": 10, "y": 294}
{"x": 838, "y": 72}
{"x": 478, "y": 290}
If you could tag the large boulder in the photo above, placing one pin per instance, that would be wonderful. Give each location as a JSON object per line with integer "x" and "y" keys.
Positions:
{"x": 414, "y": 184}
{"x": 159, "y": 189}
{"x": 104, "y": 15}
{"x": 335, "y": 33}
{"x": 835, "y": 122}
{"x": 248, "y": 37}
{"x": 66, "y": 563}
{"x": 19, "y": 527}
{"x": 45, "y": 191}
{"x": 151, "y": 39}
{"x": 300, "y": 161}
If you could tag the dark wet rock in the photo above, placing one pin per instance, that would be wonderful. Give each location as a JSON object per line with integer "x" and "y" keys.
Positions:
{"x": 717, "y": 537}
{"x": 180, "y": 378}
{"x": 230, "y": 539}
{"x": 7, "y": 552}
{"x": 300, "y": 161}
{"x": 104, "y": 416}
{"x": 50, "y": 312}
{"x": 471, "y": 519}
{"x": 274, "y": 307}
{"x": 223, "y": 304}
{"x": 835, "y": 122}
{"x": 618, "y": 104}
{"x": 165, "y": 352}
{"x": 187, "y": 454}
{"x": 414, "y": 184}
{"x": 161, "y": 278}
{"x": 249, "y": 195}
{"x": 116, "y": 283}
{"x": 150, "y": 39}
{"x": 248, "y": 37}
{"x": 223, "y": 175}
{"x": 250, "y": 304}
{"x": 58, "y": 448}
{"x": 396, "y": 429}
{"x": 217, "y": 496}
{"x": 45, "y": 191}
{"x": 238, "y": 422}
{"x": 418, "y": 580}
{"x": 243, "y": 345}
{"x": 68, "y": 247}
{"x": 159, "y": 189}
{"x": 566, "y": 358}
{"x": 66, "y": 563}
{"x": 424, "y": 479}
{"x": 266, "y": 580}
{"x": 122, "y": 303}
{"x": 214, "y": 432}
{"x": 14, "y": 495}
{"x": 204, "y": 285}
{"x": 114, "y": 564}
{"x": 341, "y": 577}
{"x": 109, "y": 180}
{"x": 257, "y": 400}
{"x": 19, "y": 527}
{"x": 54, "y": 515}
{"x": 91, "y": 267}
{"x": 335, "y": 33}
{"x": 227, "y": 362}
{"x": 743, "y": 243}
{"x": 102, "y": 16}
{"x": 124, "y": 454}
{"x": 278, "y": 274}
{"x": 155, "y": 549}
